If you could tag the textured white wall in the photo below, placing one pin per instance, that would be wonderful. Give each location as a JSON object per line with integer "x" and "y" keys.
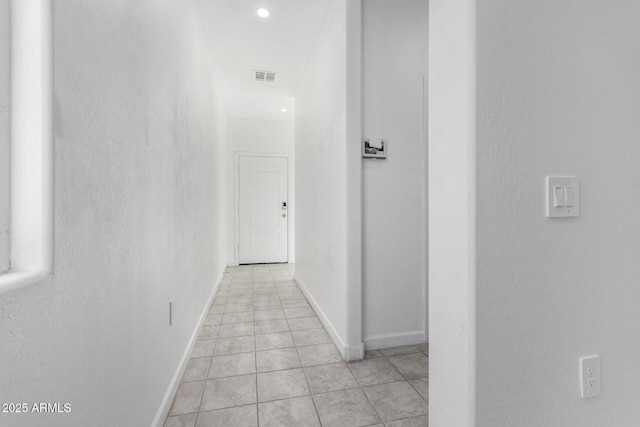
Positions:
{"x": 138, "y": 217}
{"x": 257, "y": 136}
{"x": 394, "y": 190}
{"x": 321, "y": 175}
{"x": 558, "y": 93}
{"x": 540, "y": 88}
{"x": 5, "y": 95}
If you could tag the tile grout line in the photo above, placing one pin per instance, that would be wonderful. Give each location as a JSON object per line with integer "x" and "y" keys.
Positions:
{"x": 309, "y": 387}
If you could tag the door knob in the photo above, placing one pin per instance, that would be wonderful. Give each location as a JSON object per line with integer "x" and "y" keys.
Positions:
{"x": 284, "y": 215}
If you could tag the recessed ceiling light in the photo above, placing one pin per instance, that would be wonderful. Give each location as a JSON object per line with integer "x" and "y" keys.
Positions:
{"x": 284, "y": 110}
{"x": 262, "y": 12}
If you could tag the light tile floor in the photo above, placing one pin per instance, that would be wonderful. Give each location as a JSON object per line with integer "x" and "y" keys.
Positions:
{"x": 264, "y": 359}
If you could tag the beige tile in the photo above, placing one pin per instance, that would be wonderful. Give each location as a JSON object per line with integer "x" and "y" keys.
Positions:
{"x": 197, "y": 369}
{"x": 267, "y": 305}
{"x": 271, "y": 326}
{"x": 345, "y": 408}
{"x": 370, "y": 354}
{"x": 298, "y": 412}
{"x": 269, "y": 315}
{"x": 294, "y": 303}
{"x": 266, "y": 298}
{"x": 290, "y": 295}
{"x": 395, "y": 401}
{"x": 414, "y": 365}
{"x": 319, "y": 354}
{"x": 393, "y": 351}
{"x": 302, "y": 323}
{"x": 240, "y": 317}
{"x": 220, "y": 300}
{"x": 234, "y": 345}
{"x": 424, "y": 348}
{"x": 242, "y": 271}
{"x": 228, "y": 392}
{"x": 203, "y": 348}
{"x": 374, "y": 371}
{"x": 422, "y": 387}
{"x": 240, "y": 416}
{"x": 274, "y": 341}
{"x": 422, "y": 421}
{"x": 298, "y": 312}
{"x": 240, "y": 298}
{"x": 310, "y": 337}
{"x": 236, "y": 330}
{"x": 187, "y": 398}
{"x": 282, "y": 385}
{"x": 324, "y": 378}
{"x": 284, "y": 288}
{"x": 213, "y": 319}
{"x": 264, "y": 290}
{"x": 216, "y": 309}
{"x": 238, "y": 307}
{"x": 188, "y": 420}
{"x": 208, "y": 333}
{"x": 232, "y": 365}
{"x": 275, "y": 360}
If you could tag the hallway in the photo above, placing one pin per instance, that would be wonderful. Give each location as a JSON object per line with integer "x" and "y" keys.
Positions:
{"x": 263, "y": 359}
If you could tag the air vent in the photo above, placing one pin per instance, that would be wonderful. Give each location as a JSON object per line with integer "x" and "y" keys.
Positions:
{"x": 265, "y": 76}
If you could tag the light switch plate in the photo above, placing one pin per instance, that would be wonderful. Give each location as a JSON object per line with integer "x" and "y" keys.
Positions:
{"x": 563, "y": 197}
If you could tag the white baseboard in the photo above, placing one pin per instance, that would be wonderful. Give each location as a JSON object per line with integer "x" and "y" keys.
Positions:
{"x": 167, "y": 401}
{"x": 376, "y": 342}
{"x": 349, "y": 353}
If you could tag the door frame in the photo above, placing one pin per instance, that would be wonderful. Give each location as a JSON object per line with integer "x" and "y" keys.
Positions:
{"x": 291, "y": 210}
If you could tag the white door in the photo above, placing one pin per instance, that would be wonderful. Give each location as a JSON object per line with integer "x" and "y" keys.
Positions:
{"x": 263, "y": 211}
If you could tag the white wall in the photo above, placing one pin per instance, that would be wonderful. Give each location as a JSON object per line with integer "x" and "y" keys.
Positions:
{"x": 321, "y": 173}
{"x": 394, "y": 190}
{"x": 138, "y": 217}
{"x": 557, "y": 93}
{"x": 452, "y": 217}
{"x": 5, "y": 95}
{"x": 247, "y": 135}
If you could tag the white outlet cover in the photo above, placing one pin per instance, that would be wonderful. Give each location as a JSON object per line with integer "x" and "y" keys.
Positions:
{"x": 590, "y": 377}
{"x": 563, "y": 185}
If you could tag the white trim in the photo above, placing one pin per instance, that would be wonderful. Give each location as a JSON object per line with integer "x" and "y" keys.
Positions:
{"x": 354, "y": 170}
{"x": 5, "y": 134}
{"x": 349, "y": 353}
{"x": 425, "y": 136}
{"x": 32, "y": 220}
{"x": 291, "y": 202}
{"x": 167, "y": 401}
{"x": 13, "y": 280}
{"x": 376, "y": 342}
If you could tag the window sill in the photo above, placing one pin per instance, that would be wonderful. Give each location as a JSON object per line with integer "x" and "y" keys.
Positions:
{"x": 14, "y": 280}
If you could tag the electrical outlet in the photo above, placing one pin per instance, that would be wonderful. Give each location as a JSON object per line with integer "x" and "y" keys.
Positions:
{"x": 172, "y": 308}
{"x": 590, "y": 377}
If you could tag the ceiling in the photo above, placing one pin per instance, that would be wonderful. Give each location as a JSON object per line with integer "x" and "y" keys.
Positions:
{"x": 241, "y": 42}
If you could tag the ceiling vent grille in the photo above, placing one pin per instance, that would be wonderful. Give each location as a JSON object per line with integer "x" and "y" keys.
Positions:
{"x": 265, "y": 76}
